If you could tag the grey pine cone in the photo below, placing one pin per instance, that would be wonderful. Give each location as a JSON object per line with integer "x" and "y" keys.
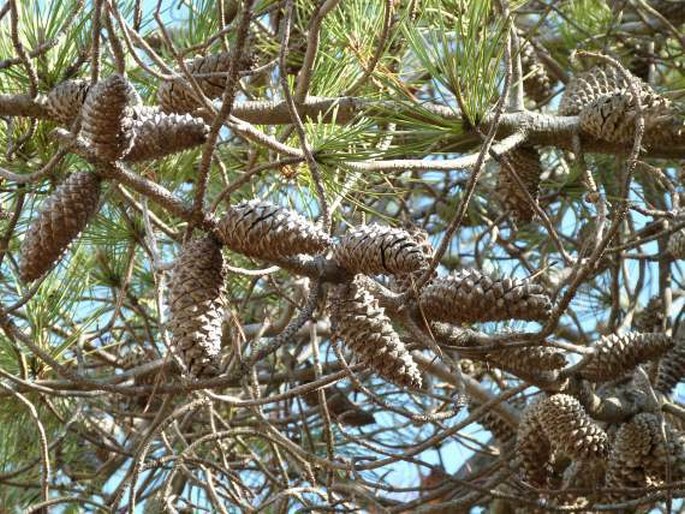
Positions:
{"x": 159, "y": 135}
{"x": 616, "y": 355}
{"x": 107, "y": 117}
{"x": 588, "y": 86}
{"x": 612, "y": 118}
{"x": 196, "y": 305}
{"x": 367, "y": 331}
{"x": 469, "y": 296}
{"x": 260, "y": 229}
{"x": 62, "y": 218}
{"x": 536, "y": 83}
{"x": 374, "y": 249}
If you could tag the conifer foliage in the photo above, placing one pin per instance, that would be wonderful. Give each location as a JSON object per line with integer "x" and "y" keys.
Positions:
{"x": 289, "y": 255}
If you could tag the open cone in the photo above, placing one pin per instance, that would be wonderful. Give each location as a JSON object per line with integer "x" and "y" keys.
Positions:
{"x": 525, "y": 162}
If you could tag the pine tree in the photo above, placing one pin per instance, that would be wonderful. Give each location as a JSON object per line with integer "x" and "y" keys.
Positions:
{"x": 281, "y": 256}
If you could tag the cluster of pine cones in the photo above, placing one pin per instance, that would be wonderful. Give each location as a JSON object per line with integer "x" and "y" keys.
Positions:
{"x": 606, "y": 105}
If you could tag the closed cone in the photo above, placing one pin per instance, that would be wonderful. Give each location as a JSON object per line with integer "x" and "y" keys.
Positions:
{"x": 62, "y": 218}
{"x": 671, "y": 370}
{"x": 527, "y": 359}
{"x": 569, "y": 429}
{"x": 177, "y": 96}
{"x": 612, "y": 118}
{"x": 588, "y": 86}
{"x": 196, "y": 305}
{"x": 616, "y": 355}
{"x": 65, "y": 100}
{"x": 107, "y": 117}
{"x": 676, "y": 244}
{"x": 526, "y": 163}
{"x": 260, "y": 229}
{"x": 406, "y": 281}
{"x": 374, "y": 249}
{"x": 161, "y": 134}
{"x": 367, "y": 331}
{"x": 468, "y": 296}
{"x": 533, "y": 450}
{"x": 536, "y": 82}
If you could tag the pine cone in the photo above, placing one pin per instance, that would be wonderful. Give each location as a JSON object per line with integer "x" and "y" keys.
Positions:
{"x": 160, "y": 135}
{"x": 468, "y": 296}
{"x": 526, "y": 163}
{"x": 177, "y": 96}
{"x": 651, "y": 318}
{"x": 260, "y": 229}
{"x": 640, "y": 454}
{"x": 374, "y": 249}
{"x": 107, "y": 117}
{"x": 532, "y": 448}
{"x": 612, "y": 118}
{"x": 65, "y": 100}
{"x": 672, "y": 365}
{"x": 196, "y": 305}
{"x": 536, "y": 83}
{"x": 597, "y": 82}
{"x": 341, "y": 407}
{"x": 676, "y": 244}
{"x": 528, "y": 359}
{"x": 368, "y": 332}
{"x": 62, "y": 218}
{"x": 569, "y": 429}
{"x": 406, "y": 281}
{"x": 616, "y": 355}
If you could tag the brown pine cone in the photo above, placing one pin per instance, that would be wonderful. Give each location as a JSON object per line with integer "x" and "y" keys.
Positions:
{"x": 527, "y": 359}
{"x": 569, "y": 429}
{"x": 501, "y": 430}
{"x": 469, "y": 296}
{"x": 651, "y": 318}
{"x": 177, "y": 96}
{"x": 532, "y": 448}
{"x": 616, "y": 355}
{"x": 406, "y": 281}
{"x": 588, "y": 86}
{"x": 65, "y": 100}
{"x": 676, "y": 244}
{"x": 107, "y": 117}
{"x": 62, "y": 218}
{"x": 671, "y": 368}
{"x": 374, "y": 249}
{"x": 260, "y": 229}
{"x": 367, "y": 331}
{"x": 161, "y": 134}
{"x": 612, "y": 118}
{"x": 536, "y": 83}
{"x": 196, "y": 306}
{"x": 526, "y": 163}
